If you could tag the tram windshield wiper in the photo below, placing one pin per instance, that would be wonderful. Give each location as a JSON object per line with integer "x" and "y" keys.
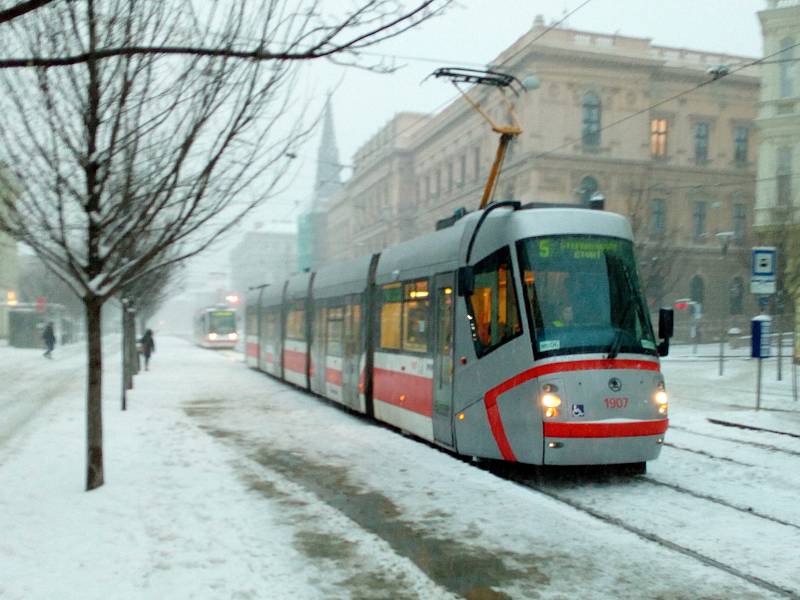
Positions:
{"x": 613, "y": 349}
{"x": 614, "y": 264}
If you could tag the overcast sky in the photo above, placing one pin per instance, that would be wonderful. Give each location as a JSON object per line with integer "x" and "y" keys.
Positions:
{"x": 473, "y": 33}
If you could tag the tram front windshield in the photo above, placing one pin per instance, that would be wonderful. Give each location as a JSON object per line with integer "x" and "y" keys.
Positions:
{"x": 583, "y": 295}
{"x": 222, "y": 322}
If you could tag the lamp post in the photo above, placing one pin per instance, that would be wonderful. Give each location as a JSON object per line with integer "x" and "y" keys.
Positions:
{"x": 724, "y": 238}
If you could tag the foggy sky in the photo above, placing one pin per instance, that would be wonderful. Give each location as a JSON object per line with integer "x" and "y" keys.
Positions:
{"x": 472, "y": 34}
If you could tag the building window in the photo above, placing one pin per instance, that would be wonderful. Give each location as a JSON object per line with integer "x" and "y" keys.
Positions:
{"x": 476, "y": 162}
{"x": 699, "y": 219}
{"x": 740, "y": 143}
{"x": 590, "y": 132}
{"x": 658, "y": 217}
{"x": 784, "y": 176}
{"x": 658, "y": 138}
{"x": 786, "y": 56}
{"x": 739, "y": 221}
{"x": 587, "y": 189}
{"x": 701, "y": 143}
{"x": 437, "y": 183}
{"x": 428, "y": 187}
{"x": 697, "y": 289}
{"x": 449, "y": 176}
{"x": 462, "y": 175}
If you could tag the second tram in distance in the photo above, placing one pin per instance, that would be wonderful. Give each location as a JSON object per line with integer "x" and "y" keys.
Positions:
{"x": 518, "y": 334}
{"x": 216, "y": 327}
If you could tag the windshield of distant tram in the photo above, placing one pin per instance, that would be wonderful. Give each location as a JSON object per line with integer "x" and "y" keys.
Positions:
{"x": 582, "y": 295}
{"x": 222, "y": 321}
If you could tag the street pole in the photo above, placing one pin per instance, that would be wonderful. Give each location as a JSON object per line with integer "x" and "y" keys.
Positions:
{"x": 124, "y": 353}
{"x": 780, "y": 345}
{"x": 758, "y": 386}
{"x": 722, "y": 340}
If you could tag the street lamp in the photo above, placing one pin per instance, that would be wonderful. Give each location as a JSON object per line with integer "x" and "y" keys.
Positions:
{"x": 724, "y": 238}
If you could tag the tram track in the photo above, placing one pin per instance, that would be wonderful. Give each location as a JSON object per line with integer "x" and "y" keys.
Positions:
{"x": 709, "y": 455}
{"x": 751, "y": 427}
{"x": 663, "y": 541}
{"x": 752, "y": 444}
{"x": 714, "y": 499}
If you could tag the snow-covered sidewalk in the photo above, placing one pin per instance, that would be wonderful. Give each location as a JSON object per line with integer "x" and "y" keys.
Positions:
{"x": 222, "y": 483}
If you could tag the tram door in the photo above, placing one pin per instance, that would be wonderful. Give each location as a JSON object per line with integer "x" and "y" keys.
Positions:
{"x": 352, "y": 351}
{"x": 444, "y": 285}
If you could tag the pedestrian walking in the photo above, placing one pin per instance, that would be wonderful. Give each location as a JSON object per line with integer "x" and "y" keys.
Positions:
{"x": 49, "y": 337}
{"x": 147, "y": 346}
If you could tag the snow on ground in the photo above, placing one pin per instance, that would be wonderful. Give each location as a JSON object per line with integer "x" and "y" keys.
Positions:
{"x": 223, "y": 483}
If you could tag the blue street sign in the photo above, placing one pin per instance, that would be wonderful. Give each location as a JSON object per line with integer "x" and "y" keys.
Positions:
{"x": 765, "y": 263}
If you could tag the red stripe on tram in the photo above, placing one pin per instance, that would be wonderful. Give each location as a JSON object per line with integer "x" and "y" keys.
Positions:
{"x": 604, "y": 430}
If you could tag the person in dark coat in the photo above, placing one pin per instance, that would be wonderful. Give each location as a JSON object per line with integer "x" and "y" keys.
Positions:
{"x": 147, "y": 346}
{"x": 49, "y": 337}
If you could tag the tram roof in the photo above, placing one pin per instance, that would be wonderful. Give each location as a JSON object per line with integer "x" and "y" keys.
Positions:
{"x": 341, "y": 278}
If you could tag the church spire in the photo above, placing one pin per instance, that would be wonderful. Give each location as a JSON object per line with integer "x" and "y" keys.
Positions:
{"x": 328, "y": 166}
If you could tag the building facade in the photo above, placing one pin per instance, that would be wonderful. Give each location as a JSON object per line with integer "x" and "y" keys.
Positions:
{"x": 9, "y": 283}
{"x": 642, "y": 124}
{"x": 262, "y": 257}
{"x": 777, "y": 212}
{"x": 9, "y": 290}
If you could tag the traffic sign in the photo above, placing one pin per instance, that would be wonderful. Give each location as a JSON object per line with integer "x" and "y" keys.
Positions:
{"x": 765, "y": 262}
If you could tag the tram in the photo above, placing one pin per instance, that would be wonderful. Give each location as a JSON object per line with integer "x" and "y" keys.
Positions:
{"x": 511, "y": 333}
{"x": 216, "y": 327}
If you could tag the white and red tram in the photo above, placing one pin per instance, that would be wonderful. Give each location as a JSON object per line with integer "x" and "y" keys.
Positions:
{"x": 514, "y": 334}
{"x": 216, "y": 327}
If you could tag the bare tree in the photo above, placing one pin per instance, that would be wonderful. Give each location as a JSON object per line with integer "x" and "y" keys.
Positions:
{"x": 151, "y": 290}
{"x": 655, "y": 244}
{"x": 136, "y": 126}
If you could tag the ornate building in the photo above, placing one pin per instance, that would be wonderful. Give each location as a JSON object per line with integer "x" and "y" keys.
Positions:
{"x": 649, "y": 127}
{"x": 777, "y": 212}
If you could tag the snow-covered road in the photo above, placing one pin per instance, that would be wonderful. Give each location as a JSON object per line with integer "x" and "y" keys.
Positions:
{"x": 222, "y": 483}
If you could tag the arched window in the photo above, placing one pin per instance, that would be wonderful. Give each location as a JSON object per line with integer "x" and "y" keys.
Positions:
{"x": 697, "y": 289}
{"x": 787, "y": 54}
{"x": 592, "y": 109}
{"x": 588, "y": 187}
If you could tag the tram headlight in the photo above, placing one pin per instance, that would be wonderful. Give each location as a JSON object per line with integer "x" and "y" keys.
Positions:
{"x": 212, "y": 336}
{"x": 233, "y": 336}
{"x": 550, "y": 400}
{"x": 661, "y": 398}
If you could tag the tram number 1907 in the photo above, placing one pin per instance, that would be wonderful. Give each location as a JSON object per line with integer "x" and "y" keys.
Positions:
{"x": 618, "y": 402}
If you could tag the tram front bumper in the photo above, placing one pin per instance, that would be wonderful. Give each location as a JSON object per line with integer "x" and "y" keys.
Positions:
{"x": 603, "y": 442}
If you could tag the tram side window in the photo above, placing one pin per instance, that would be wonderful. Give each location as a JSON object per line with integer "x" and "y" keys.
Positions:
{"x": 404, "y": 316}
{"x": 296, "y": 324}
{"x": 415, "y": 316}
{"x": 335, "y": 329}
{"x": 391, "y": 315}
{"x": 271, "y": 326}
{"x": 493, "y": 305}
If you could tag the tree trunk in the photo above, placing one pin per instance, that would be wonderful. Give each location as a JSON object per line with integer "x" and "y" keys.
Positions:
{"x": 94, "y": 395}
